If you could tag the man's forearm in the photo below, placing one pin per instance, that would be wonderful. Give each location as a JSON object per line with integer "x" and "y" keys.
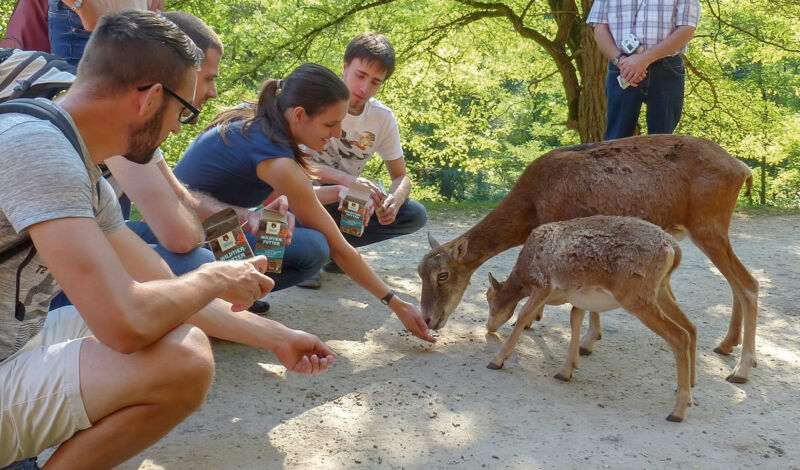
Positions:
{"x": 151, "y": 189}
{"x": 217, "y": 320}
{"x": 671, "y": 44}
{"x": 204, "y": 205}
{"x": 400, "y": 188}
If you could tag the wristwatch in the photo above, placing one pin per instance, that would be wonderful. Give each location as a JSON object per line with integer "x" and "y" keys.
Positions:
{"x": 74, "y": 7}
{"x": 388, "y": 297}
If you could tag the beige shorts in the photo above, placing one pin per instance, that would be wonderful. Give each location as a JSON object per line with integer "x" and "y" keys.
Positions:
{"x": 40, "y": 393}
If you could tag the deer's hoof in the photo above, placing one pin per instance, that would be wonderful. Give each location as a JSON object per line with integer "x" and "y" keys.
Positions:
{"x": 674, "y": 419}
{"x": 736, "y": 380}
{"x": 584, "y": 352}
{"x": 719, "y": 350}
{"x": 494, "y": 366}
{"x": 561, "y": 377}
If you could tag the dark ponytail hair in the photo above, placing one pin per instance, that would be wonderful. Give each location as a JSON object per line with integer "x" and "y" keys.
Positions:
{"x": 310, "y": 86}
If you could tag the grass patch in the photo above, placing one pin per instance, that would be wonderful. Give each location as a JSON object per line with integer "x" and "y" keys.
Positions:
{"x": 445, "y": 209}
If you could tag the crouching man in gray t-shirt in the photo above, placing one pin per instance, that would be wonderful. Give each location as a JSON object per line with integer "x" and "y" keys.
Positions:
{"x": 133, "y": 363}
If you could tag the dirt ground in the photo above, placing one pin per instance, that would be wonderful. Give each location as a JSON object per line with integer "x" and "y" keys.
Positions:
{"x": 390, "y": 401}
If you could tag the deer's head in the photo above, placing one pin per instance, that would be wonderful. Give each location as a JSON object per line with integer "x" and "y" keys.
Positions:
{"x": 500, "y": 306}
{"x": 444, "y": 280}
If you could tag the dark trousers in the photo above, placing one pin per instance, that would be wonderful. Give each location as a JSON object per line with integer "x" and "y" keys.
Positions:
{"x": 661, "y": 89}
{"x": 411, "y": 217}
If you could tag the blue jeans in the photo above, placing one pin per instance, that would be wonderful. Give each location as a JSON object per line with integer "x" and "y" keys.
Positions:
{"x": 307, "y": 254}
{"x": 67, "y": 36}
{"x": 661, "y": 89}
{"x": 27, "y": 464}
{"x": 411, "y": 217}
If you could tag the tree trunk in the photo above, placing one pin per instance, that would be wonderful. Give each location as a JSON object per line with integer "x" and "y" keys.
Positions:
{"x": 592, "y": 70}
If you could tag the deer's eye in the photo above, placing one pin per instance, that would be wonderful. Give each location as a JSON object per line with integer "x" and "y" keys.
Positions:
{"x": 443, "y": 276}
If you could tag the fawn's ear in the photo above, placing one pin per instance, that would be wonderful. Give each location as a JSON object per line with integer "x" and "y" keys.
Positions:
{"x": 459, "y": 249}
{"x": 432, "y": 241}
{"x": 495, "y": 284}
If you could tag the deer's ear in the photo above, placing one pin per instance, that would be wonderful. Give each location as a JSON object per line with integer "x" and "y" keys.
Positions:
{"x": 495, "y": 284}
{"x": 432, "y": 241}
{"x": 459, "y": 249}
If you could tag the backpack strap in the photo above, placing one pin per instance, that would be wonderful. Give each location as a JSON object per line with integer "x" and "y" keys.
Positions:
{"x": 45, "y": 111}
{"x": 42, "y": 110}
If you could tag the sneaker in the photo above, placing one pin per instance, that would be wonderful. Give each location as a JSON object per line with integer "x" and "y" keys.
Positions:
{"x": 332, "y": 267}
{"x": 259, "y": 306}
{"x": 314, "y": 282}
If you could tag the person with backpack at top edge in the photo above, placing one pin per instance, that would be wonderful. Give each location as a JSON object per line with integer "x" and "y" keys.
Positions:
{"x": 249, "y": 151}
{"x": 110, "y": 381}
{"x": 368, "y": 128}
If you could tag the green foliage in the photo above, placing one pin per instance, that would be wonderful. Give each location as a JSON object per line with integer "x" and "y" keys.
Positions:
{"x": 477, "y": 98}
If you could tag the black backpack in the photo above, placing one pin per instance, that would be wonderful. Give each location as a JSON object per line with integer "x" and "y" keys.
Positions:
{"x": 45, "y": 111}
{"x": 33, "y": 74}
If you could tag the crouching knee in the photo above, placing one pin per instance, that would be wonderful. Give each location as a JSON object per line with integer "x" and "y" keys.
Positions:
{"x": 188, "y": 366}
{"x": 412, "y": 216}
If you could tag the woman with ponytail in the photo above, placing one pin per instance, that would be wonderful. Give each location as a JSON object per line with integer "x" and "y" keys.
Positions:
{"x": 248, "y": 152}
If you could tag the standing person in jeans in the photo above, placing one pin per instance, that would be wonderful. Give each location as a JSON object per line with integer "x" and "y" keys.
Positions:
{"x": 368, "y": 128}
{"x": 110, "y": 376}
{"x": 70, "y": 22}
{"x": 645, "y": 40}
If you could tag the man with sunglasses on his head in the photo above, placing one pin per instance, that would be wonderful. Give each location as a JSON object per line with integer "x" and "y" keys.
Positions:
{"x": 109, "y": 377}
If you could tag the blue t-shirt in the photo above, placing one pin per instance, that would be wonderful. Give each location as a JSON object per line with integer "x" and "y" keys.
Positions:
{"x": 227, "y": 171}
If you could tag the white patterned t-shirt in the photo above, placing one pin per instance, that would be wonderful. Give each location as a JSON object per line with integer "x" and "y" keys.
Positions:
{"x": 373, "y": 131}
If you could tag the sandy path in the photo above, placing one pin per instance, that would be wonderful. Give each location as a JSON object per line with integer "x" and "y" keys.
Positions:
{"x": 392, "y": 402}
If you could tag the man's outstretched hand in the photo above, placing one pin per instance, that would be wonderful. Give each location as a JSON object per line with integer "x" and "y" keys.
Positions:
{"x": 304, "y": 353}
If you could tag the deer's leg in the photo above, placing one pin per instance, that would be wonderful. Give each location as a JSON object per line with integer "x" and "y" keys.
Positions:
{"x": 593, "y": 334}
{"x": 745, "y": 300}
{"x": 575, "y": 321}
{"x": 537, "y": 316}
{"x": 648, "y": 311}
{"x": 667, "y": 303}
{"x": 535, "y": 302}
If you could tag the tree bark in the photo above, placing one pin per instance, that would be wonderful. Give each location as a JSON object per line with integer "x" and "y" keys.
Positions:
{"x": 592, "y": 69}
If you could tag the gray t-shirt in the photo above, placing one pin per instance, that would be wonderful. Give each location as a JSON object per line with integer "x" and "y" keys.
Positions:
{"x": 42, "y": 178}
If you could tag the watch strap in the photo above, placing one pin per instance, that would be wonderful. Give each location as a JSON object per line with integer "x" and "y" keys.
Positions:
{"x": 388, "y": 297}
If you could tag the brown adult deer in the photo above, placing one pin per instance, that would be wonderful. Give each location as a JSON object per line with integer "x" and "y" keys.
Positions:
{"x": 685, "y": 185}
{"x": 598, "y": 263}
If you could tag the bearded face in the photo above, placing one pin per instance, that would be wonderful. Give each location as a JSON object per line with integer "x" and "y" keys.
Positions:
{"x": 144, "y": 139}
